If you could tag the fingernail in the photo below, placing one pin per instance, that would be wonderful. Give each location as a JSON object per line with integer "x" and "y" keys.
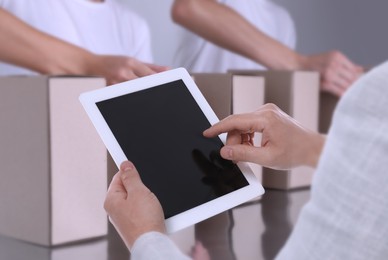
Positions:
{"x": 127, "y": 166}
{"x": 228, "y": 152}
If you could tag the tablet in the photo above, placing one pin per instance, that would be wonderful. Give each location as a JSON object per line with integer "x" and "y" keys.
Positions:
{"x": 157, "y": 123}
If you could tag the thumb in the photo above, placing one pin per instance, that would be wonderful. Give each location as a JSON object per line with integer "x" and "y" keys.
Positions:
{"x": 129, "y": 175}
{"x": 242, "y": 152}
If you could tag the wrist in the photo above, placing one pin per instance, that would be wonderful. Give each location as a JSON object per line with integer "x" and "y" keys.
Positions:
{"x": 300, "y": 62}
{"x": 316, "y": 142}
{"x": 88, "y": 64}
{"x": 288, "y": 60}
{"x": 77, "y": 61}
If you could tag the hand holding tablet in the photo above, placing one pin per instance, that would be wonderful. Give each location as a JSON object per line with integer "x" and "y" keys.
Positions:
{"x": 157, "y": 122}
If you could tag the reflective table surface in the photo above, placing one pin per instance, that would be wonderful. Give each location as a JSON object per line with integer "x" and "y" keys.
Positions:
{"x": 256, "y": 230}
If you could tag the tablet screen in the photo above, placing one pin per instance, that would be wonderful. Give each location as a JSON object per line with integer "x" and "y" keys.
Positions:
{"x": 160, "y": 130}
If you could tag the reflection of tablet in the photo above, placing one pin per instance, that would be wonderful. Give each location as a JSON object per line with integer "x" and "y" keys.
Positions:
{"x": 157, "y": 123}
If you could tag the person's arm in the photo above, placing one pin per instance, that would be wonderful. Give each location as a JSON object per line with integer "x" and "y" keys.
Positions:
{"x": 223, "y": 26}
{"x": 138, "y": 217}
{"x": 285, "y": 143}
{"x": 135, "y": 211}
{"x": 347, "y": 213}
{"x": 27, "y": 47}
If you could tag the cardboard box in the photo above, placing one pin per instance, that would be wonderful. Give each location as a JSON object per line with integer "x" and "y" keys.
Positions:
{"x": 327, "y": 105}
{"x": 297, "y": 94}
{"x": 233, "y": 94}
{"x": 53, "y": 163}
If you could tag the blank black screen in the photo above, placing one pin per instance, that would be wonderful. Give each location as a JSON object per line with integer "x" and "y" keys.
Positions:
{"x": 160, "y": 131}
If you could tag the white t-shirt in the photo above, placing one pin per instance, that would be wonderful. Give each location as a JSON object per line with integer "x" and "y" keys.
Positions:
{"x": 199, "y": 55}
{"x": 108, "y": 27}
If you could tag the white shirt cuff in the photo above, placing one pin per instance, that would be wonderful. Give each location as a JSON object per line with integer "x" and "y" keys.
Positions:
{"x": 156, "y": 246}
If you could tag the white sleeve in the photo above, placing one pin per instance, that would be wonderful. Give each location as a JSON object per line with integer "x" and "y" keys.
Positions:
{"x": 290, "y": 37}
{"x": 156, "y": 246}
{"x": 346, "y": 217}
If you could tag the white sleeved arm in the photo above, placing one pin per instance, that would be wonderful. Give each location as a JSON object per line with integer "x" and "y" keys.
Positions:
{"x": 156, "y": 246}
{"x": 347, "y": 215}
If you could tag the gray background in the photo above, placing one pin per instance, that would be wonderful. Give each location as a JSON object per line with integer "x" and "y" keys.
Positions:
{"x": 354, "y": 27}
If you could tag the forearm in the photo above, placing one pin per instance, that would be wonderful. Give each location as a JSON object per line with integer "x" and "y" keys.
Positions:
{"x": 25, "y": 46}
{"x": 226, "y": 28}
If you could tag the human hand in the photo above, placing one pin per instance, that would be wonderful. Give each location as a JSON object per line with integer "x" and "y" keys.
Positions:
{"x": 132, "y": 208}
{"x": 117, "y": 69}
{"x": 285, "y": 143}
{"x": 337, "y": 72}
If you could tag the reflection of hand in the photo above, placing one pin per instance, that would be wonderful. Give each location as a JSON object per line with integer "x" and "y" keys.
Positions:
{"x": 337, "y": 72}
{"x": 220, "y": 174}
{"x": 133, "y": 209}
{"x": 117, "y": 69}
{"x": 199, "y": 252}
{"x": 285, "y": 143}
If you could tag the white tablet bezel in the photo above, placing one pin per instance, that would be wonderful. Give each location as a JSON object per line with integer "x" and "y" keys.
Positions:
{"x": 196, "y": 214}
